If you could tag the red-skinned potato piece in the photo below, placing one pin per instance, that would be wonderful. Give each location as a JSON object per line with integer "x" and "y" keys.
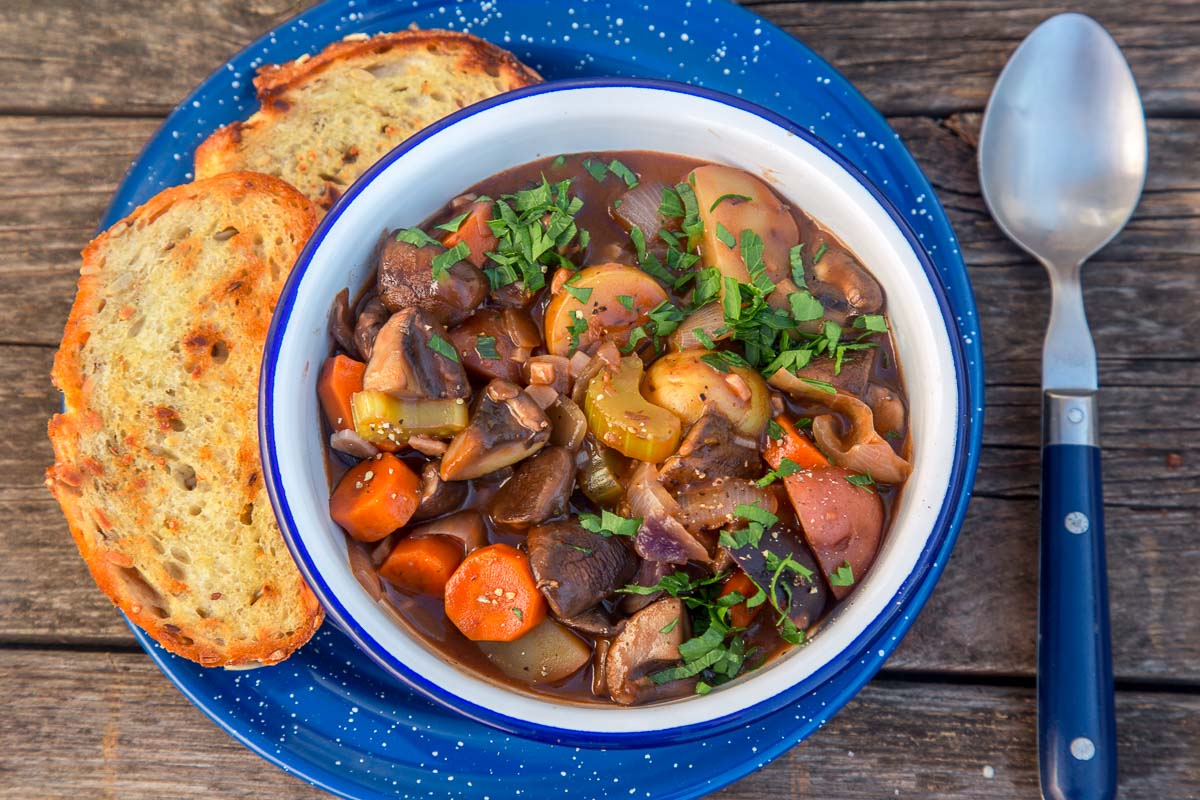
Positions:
{"x": 842, "y": 523}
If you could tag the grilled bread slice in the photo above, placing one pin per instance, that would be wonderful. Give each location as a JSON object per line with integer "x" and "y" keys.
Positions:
{"x": 325, "y": 119}
{"x": 156, "y": 452}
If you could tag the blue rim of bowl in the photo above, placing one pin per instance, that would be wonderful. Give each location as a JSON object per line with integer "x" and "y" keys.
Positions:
{"x": 911, "y": 595}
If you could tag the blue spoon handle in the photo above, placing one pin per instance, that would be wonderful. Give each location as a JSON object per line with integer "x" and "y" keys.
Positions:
{"x": 1076, "y": 721}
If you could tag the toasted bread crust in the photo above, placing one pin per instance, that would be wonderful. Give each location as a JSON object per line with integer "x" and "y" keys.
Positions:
{"x": 423, "y": 74}
{"x": 118, "y": 443}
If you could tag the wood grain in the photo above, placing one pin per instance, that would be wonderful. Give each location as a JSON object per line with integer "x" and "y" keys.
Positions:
{"x": 910, "y": 57}
{"x": 124, "y": 741}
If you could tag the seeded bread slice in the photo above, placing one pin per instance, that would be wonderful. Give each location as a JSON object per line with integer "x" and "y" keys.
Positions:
{"x": 156, "y": 453}
{"x": 325, "y": 119}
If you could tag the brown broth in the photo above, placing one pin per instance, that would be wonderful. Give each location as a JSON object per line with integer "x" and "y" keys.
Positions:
{"x": 424, "y": 615}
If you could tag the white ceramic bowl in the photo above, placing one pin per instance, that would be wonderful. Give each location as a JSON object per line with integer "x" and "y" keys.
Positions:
{"x": 415, "y": 180}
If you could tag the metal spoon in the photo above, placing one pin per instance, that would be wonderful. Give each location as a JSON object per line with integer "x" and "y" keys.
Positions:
{"x": 1062, "y": 161}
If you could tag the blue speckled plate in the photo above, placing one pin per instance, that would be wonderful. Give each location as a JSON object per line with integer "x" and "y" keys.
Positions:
{"x": 331, "y": 716}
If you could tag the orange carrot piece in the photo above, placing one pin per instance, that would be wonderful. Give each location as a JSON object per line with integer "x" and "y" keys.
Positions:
{"x": 739, "y": 615}
{"x": 492, "y": 596}
{"x": 422, "y": 565}
{"x": 340, "y": 378}
{"x": 476, "y": 232}
{"x": 794, "y": 446}
{"x": 375, "y": 497}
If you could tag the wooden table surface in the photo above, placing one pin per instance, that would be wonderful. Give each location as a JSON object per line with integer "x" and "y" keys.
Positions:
{"x": 85, "y": 713}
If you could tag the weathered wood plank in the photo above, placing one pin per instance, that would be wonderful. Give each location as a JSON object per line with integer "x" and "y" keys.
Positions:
{"x": 138, "y": 738}
{"x": 915, "y": 56}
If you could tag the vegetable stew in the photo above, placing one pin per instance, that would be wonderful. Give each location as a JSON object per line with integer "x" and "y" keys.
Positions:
{"x": 614, "y": 427}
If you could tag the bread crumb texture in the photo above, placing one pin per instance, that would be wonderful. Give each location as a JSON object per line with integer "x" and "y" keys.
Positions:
{"x": 156, "y": 453}
{"x": 324, "y": 120}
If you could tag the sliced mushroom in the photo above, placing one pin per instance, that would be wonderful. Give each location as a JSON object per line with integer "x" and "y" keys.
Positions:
{"x": 350, "y": 443}
{"x": 538, "y": 491}
{"x": 466, "y": 527}
{"x": 495, "y": 327}
{"x": 405, "y": 280}
{"x": 649, "y": 643}
{"x": 649, "y": 573}
{"x": 809, "y": 595}
{"x": 506, "y": 427}
{"x": 341, "y": 323}
{"x": 438, "y": 497}
{"x": 888, "y": 408}
{"x": 836, "y": 278}
{"x": 404, "y": 364}
{"x": 595, "y": 622}
{"x": 576, "y": 569}
{"x": 371, "y": 317}
{"x": 710, "y": 449}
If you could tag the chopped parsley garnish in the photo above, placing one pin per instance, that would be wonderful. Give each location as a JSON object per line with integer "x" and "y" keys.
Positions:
{"x": 741, "y": 198}
{"x": 670, "y": 626}
{"x": 863, "y": 481}
{"x": 805, "y": 307}
{"x": 787, "y": 468}
{"x": 842, "y": 576}
{"x": 708, "y": 286}
{"x": 725, "y": 237}
{"x": 577, "y": 328}
{"x": 692, "y": 225}
{"x": 624, "y": 173}
{"x": 875, "y": 323}
{"x": 665, "y": 318}
{"x": 533, "y": 228}
{"x": 442, "y": 262}
{"x": 519, "y": 613}
{"x": 796, "y": 260}
{"x": 820, "y": 252}
{"x": 671, "y": 206}
{"x": 485, "y": 346}
{"x": 626, "y": 300}
{"x": 774, "y": 430}
{"x": 453, "y": 225}
{"x": 636, "y": 337}
{"x": 596, "y": 169}
{"x": 558, "y": 161}
{"x": 703, "y": 338}
{"x": 610, "y": 524}
{"x": 753, "y": 513}
{"x": 443, "y": 348}
{"x": 647, "y": 260}
{"x": 703, "y": 688}
{"x": 582, "y": 295}
{"x": 415, "y": 236}
{"x": 827, "y": 388}
{"x": 586, "y": 550}
{"x": 752, "y": 255}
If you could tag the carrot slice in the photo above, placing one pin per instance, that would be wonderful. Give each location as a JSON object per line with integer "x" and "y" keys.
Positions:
{"x": 422, "y": 565}
{"x": 794, "y": 446}
{"x": 475, "y": 231}
{"x": 739, "y": 615}
{"x": 341, "y": 377}
{"x": 492, "y": 596}
{"x": 375, "y": 497}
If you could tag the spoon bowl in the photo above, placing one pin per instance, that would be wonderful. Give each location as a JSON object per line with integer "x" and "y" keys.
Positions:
{"x": 1062, "y": 153}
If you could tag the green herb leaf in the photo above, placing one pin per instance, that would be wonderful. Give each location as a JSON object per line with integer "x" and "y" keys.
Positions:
{"x": 744, "y": 198}
{"x": 443, "y": 348}
{"x": 787, "y": 468}
{"x": 670, "y": 626}
{"x": 804, "y": 306}
{"x": 596, "y": 169}
{"x": 453, "y": 225}
{"x": 647, "y": 260}
{"x": 708, "y": 286}
{"x": 703, "y": 688}
{"x": 875, "y": 323}
{"x": 842, "y": 576}
{"x": 820, "y": 252}
{"x": 774, "y": 430}
{"x": 577, "y": 328}
{"x": 582, "y": 295}
{"x": 692, "y": 225}
{"x": 827, "y": 388}
{"x": 558, "y": 161}
{"x": 586, "y": 550}
{"x": 752, "y": 254}
{"x": 624, "y": 173}
{"x": 519, "y": 613}
{"x": 415, "y": 236}
{"x": 698, "y": 646}
{"x": 610, "y": 524}
{"x": 754, "y": 513}
{"x": 703, "y": 338}
{"x": 725, "y": 237}
{"x": 796, "y": 260}
{"x": 863, "y": 481}
{"x": 671, "y": 206}
{"x": 665, "y": 318}
{"x": 485, "y": 346}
